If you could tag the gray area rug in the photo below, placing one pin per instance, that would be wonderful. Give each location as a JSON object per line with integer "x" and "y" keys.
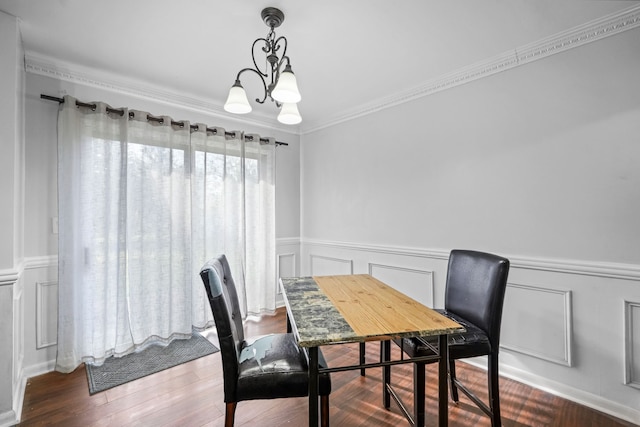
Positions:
{"x": 119, "y": 370}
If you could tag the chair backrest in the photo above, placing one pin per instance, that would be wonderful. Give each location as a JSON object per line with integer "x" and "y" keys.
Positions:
{"x": 223, "y": 298}
{"x": 476, "y": 284}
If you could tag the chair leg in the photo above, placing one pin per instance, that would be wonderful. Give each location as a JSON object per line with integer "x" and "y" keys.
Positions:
{"x": 419, "y": 394}
{"x": 494, "y": 390}
{"x": 362, "y": 358}
{"x": 230, "y": 414}
{"x": 452, "y": 377}
{"x": 324, "y": 411}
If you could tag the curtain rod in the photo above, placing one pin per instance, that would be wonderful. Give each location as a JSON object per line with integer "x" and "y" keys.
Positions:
{"x": 151, "y": 118}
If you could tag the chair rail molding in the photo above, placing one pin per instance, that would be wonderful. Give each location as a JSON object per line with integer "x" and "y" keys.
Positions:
{"x": 585, "y": 268}
{"x": 32, "y": 263}
{"x": 10, "y": 276}
{"x": 384, "y": 249}
{"x": 282, "y": 241}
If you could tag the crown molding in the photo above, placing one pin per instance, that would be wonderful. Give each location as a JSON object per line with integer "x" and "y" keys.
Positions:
{"x": 36, "y": 63}
{"x": 597, "y": 29}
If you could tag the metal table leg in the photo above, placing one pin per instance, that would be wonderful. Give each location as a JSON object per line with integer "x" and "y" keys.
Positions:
{"x": 313, "y": 386}
{"x": 443, "y": 399}
{"x": 385, "y": 356}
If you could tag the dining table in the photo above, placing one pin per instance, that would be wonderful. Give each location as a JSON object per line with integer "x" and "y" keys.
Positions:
{"x": 358, "y": 308}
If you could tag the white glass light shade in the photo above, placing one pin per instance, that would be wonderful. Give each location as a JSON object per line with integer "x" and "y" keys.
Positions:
{"x": 286, "y": 91}
{"x": 289, "y": 114}
{"x": 237, "y": 101}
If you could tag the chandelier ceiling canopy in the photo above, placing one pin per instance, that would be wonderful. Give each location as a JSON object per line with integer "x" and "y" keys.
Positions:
{"x": 279, "y": 84}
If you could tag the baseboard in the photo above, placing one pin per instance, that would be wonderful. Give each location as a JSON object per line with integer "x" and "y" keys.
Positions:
{"x": 19, "y": 399}
{"x": 12, "y": 417}
{"x": 566, "y": 392}
{"x": 39, "y": 369}
{"x": 8, "y": 419}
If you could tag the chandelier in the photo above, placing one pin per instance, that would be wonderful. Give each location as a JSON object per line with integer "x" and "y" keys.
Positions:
{"x": 279, "y": 85}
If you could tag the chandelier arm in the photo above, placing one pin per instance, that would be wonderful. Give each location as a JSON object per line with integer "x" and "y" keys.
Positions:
{"x": 276, "y": 45}
{"x": 277, "y": 65}
{"x": 264, "y": 84}
{"x": 253, "y": 56}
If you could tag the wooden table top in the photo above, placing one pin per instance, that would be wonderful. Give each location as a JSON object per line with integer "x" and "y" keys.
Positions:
{"x": 351, "y": 308}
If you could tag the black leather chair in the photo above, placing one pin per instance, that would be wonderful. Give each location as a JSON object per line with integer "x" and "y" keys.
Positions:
{"x": 474, "y": 296}
{"x": 266, "y": 367}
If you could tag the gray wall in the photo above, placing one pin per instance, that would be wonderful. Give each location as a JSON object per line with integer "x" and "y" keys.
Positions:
{"x": 540, "y": 160}
{"x": 11, "y": 218}
{"x": 539, "y": 163}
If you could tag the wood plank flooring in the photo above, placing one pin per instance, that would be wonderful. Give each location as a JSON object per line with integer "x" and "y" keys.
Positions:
{"x": 191, "y": 394}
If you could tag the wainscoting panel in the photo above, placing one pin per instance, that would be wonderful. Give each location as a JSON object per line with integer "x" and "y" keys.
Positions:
{"x": 632, "y": 343}
{"x": 328, "y": 266}
{"x": 566, "y": 323}
{"x": 286, "y": 267}
{"x": 287, "y": 262}
{"x": 416, "y": 283}
{"x": 19, "y": 381}
{"x": 46, "y": 314}
{"x": 537, "y": 321}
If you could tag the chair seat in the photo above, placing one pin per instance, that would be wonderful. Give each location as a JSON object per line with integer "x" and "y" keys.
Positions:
{"x": 473, "y": 342}
{"x": 274, "y": 366}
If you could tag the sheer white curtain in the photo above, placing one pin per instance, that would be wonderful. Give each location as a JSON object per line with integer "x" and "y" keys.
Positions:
{"x": 142, "y": 205}
{"x": 234, "y": 194}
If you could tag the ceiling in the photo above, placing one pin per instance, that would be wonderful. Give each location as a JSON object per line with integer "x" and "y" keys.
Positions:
{"x": 346, "y": 54}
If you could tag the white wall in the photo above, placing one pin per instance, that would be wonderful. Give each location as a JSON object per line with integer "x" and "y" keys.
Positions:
{"x": 12, "y": 162}
{"x": 540, "y": 163}
{"x": 544, "y": 155}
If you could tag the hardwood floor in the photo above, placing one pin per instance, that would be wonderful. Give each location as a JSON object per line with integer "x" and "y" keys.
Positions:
{"x": 191, "y": 395}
